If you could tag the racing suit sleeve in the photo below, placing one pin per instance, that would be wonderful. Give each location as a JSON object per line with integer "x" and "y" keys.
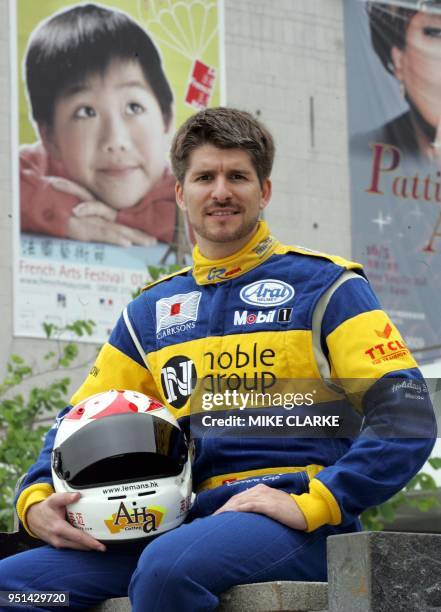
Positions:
{"x": 119, "y": 365}
{"x": 364, "y": 348}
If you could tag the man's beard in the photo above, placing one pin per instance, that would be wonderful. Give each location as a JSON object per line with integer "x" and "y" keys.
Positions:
{"x": 222, "y": 235}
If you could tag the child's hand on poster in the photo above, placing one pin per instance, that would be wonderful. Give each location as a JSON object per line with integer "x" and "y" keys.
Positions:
{"x": 95, "y": 221}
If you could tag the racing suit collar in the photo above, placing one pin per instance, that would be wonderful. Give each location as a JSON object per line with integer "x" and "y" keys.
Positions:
{"x": 258, "y": 249}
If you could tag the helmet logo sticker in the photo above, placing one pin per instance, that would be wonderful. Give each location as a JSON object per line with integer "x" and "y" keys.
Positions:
{"x": 145, "y": 519}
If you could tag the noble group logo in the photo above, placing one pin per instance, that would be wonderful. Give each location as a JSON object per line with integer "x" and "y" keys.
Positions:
{"x": 177, "y": 310}
{"x": 139, "y": 519}
{"x": 178, "y": 377}
{"x": 243, "y": 317}
{"x": 266, "y": 293}
{"x": 247, "y": 368}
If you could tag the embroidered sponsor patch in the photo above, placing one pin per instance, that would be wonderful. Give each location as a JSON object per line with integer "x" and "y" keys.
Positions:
{"x": 178, "y": 377}
{"x": 386, "y": 351}
{"x": 222, "y": 273}
{"x": 267, "y": 293}
{"x": 177, "y": 309}
{"x": 243, "y": 317}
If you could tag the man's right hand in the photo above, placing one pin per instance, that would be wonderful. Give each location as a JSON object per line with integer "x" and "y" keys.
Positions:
{"x": 47, "y": 521}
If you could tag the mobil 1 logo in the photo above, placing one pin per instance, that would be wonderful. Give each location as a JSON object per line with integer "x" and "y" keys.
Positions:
{"x": 284, "y": 315}
{"x": 279, "y": 315}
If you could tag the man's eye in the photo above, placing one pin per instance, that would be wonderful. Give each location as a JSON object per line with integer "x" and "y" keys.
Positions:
{"x": 84, "y": 112}
{"x": 133, "y": 108}
{"x": 432, "y": 31}
{"x": 238, "y": 177}
{"x": 203, "y": 177}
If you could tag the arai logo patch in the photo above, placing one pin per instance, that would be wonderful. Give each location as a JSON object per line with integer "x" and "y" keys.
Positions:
{"x": 266, "y": 293}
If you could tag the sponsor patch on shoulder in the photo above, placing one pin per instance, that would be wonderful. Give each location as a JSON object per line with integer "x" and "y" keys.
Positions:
{"x": 177, "y": 309}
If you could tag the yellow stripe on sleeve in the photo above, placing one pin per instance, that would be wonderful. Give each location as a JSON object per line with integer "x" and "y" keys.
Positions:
{"x": 115, "y": 370}
{"x": 368, "y": 346}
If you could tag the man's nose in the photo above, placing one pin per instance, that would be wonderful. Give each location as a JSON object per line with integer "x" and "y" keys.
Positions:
{"x": 221, "y": 190}
{"x": 115, "y": 137}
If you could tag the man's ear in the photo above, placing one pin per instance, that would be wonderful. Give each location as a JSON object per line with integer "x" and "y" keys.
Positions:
{"x": 179, "y": 191}
{"x": 267, "y": 190}
{"x": 47, "y": 138}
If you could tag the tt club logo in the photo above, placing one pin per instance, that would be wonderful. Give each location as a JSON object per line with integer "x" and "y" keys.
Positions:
{"x": 178, "y": 377}
{"x": 177, "y": 309}
{"x": 267, "y": 293}
{"x": 385, "y": 333}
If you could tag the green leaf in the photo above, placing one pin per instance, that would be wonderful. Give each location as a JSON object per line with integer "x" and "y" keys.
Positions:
{"x": 435, "y": 462}
{"x": 16, "y": 359}
{"x": 48, "y": 329}
{"x": 387, "y": 512}
{"x": 426, "y": 481}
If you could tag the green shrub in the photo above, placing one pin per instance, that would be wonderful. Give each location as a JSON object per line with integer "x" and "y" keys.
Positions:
{"x": 22, "y": 417}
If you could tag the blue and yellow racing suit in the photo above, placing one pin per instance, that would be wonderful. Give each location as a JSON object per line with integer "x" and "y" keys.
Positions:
{"x": 271, "y": 313}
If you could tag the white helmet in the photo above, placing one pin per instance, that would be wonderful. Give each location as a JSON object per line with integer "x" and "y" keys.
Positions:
{"x": 128, "y": 457}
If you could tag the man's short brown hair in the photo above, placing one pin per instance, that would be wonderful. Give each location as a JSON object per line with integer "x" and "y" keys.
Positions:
{"x": 225, "y": 128}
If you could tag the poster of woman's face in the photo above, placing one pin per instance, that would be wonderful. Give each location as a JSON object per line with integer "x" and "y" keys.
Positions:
{"x": 393, "y": 52}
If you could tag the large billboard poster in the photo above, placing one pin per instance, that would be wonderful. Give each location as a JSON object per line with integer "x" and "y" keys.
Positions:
{"x": 393, "y": 53}
{"x": 100, "y": 89}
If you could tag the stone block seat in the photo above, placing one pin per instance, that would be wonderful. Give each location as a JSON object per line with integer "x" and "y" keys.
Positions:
{"x": 260, "y": 597}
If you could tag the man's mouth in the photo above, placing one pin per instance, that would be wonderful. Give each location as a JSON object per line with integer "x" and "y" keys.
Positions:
{"x": 224, "y": 212}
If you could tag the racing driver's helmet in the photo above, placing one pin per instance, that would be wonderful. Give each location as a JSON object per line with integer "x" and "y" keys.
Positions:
{"x": 127, "y": 456}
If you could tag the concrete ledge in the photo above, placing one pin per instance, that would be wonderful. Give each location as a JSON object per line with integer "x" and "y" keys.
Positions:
{"x": 384, "y": 571}
{"x": 269, "y": 596}
{"x": 260, "y": 597}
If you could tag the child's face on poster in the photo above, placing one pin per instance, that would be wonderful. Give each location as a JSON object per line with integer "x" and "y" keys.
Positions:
{"x": 417, "y": 66}
{"x": 110, "y": 136}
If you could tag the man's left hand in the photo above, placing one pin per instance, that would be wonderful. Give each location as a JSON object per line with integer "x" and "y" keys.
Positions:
{"x": 262, "y": 499}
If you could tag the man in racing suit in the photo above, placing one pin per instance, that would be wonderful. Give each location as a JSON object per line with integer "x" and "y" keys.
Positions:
{"x": 252, "y": 319}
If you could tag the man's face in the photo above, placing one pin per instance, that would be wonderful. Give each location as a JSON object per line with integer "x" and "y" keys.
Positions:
{"x": 110, "y": 136}
{"x": 223, "y": 198}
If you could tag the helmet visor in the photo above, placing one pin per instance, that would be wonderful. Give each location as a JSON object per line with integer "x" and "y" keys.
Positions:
{"x": 121, "y": 448}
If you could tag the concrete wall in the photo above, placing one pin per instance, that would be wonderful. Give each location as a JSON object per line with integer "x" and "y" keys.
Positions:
{"x": 285, "y": 62}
